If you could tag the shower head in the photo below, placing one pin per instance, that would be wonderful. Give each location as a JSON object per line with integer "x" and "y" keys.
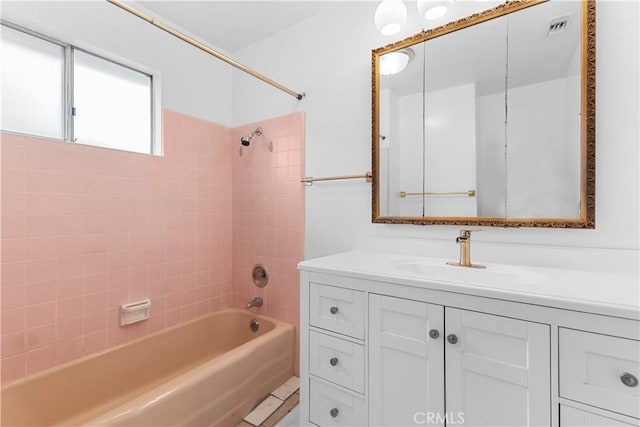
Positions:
{"x": 246, "y": 140}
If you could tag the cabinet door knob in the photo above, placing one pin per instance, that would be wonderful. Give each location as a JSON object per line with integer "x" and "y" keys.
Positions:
{"x": 333, "y": 309}
{"x": 629, "y": 379}
{"x": 334, "y": 412}
{"x": 333, "y": 361}
{"x": 452, "y": 338}
{"x": 434, "y": 333}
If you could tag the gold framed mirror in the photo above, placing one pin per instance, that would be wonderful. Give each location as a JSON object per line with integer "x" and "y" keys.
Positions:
{"x": 491, "y": 120}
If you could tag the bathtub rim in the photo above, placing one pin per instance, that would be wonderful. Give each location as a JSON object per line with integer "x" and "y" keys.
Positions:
{"x": 54, "y": 369}
{"x": 187, "y": 379}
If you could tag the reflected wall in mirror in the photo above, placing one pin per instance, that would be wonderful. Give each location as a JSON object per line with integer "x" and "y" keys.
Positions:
{"x": 491, "y": 121}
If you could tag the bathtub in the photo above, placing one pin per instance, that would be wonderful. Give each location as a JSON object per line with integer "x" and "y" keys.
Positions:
{"x": 208, "y": 372}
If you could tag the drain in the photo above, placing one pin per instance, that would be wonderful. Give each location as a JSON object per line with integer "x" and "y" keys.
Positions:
{"x": 254, "y": 325}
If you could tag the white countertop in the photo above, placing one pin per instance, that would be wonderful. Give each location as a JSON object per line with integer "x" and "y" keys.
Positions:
{"x": 607, "y": 293}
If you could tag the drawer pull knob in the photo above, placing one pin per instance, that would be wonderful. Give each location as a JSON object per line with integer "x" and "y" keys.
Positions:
{"x": 333, "y": 310}
{"x": 334, "y": 412}
{"x": 434, "y": 333}
{"x": 629, "y": 379}
{"x": 452, "y": 338}
{"x": 333, "y": 361}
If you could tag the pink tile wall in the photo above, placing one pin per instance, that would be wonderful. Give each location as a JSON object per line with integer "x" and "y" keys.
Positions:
{"x": 268, "y": 214}
{"x": 85, "y": 229}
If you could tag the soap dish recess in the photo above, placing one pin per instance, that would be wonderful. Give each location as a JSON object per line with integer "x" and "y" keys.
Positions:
{"x": 134, "y": 312}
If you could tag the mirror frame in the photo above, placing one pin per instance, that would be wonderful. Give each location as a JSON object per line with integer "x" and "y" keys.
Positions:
{"x": 587, "y": 123}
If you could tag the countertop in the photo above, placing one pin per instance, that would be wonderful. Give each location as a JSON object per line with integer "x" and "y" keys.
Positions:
{"x": 606, "y": 293}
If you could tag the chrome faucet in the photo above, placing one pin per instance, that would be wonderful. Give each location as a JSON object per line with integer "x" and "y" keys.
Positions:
{"x": 464, "y": 240}
{"x": 256, "y": 302}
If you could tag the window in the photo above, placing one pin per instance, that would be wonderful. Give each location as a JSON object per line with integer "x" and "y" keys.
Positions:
{"x": 106, "y": 93}
{"x": 32, "y": 85}
{"x": 56, "y": 90}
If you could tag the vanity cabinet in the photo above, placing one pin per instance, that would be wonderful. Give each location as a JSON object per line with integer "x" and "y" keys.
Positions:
{"x": 486, "y": 367}
{"x": 382, "y": 350}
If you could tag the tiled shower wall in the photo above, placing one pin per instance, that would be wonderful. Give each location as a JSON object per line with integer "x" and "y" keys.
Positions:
{"x": 85, "y": 229}
{"x": 268, "y": 214}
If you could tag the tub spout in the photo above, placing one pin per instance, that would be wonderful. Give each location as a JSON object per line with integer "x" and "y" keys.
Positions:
{"x": 256, "y": 302}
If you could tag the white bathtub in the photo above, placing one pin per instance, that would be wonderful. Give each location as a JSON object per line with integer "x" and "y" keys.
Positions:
{"x": 208, "y": 372}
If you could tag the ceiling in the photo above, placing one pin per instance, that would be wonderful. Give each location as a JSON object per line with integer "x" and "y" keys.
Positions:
{"x": 234, "y": 25}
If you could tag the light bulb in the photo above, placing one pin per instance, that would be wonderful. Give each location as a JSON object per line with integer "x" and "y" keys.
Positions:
{"x": 433, "y": 9}
{"x": 395, "y": 62}
{"x": 390, "y": 16}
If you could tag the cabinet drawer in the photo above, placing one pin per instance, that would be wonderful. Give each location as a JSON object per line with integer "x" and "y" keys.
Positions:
{"x": 600, "y": 370}
{"x": 330, "y": 406}
{"x": 337, "y": 309}
{"x": 337, "y": 360}
{"x": 572, "y": 417}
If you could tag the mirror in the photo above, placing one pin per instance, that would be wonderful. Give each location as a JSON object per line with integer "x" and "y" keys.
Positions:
{"x": 490, "y": 122}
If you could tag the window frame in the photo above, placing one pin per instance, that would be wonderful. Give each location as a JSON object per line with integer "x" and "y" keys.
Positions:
{"x": 155, "y": 103}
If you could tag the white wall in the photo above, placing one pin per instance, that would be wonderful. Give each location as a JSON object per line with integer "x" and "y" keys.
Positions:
{"x": 448, "y": 156}
{"x": 193, "y": 82}
{"x": 388, "y": 148}
{"x": 450, "y": 153}
{"x": 329, "y": 57}
{"x": 491, "y": 155}
{"x": 410, "y": 155}
{"x": 543, "y": 152}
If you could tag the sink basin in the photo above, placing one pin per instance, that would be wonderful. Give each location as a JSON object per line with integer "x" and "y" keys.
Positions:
{"x": 492, "y": 275}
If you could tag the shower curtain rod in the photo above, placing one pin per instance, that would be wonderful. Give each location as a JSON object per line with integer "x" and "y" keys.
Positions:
{"x": 205, "y": 48}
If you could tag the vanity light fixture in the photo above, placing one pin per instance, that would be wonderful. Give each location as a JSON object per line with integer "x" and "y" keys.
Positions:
{"x": 390, "y": 16}
{"x": 434, "y": 9}
{"x": 394, "y": 62}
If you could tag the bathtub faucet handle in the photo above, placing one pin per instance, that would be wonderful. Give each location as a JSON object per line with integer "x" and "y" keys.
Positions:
{"x": 256, "y": 302}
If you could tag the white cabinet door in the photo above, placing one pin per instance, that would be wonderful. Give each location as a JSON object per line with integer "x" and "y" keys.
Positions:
{"x": 498, "y": 370}
{"x": 406, "y": 365}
